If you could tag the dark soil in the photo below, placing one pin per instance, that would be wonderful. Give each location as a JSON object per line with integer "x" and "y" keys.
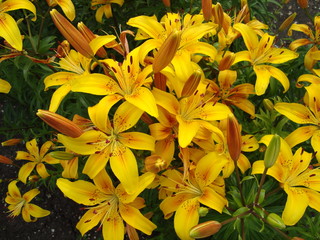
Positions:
{"x": 65, "y": 213}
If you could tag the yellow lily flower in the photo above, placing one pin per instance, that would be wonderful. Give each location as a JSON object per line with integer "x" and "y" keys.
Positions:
{"x": 191, "y": 113}
{"x": 191, "y": 28}
{"x": 105, "y": 9}
{"x": 301, "y": 114}
{"x": 75, "y": 65}
{"x": 4, "y": 86}
{"x": 111, "y": 142}
{"x": 313, "y": 38}
{"x": 202, "y": 185}
{"x": 21, "y": 204}
{"x": 129, "y": 82}
{"x": 261, "y": 52}
{"x": 9, "y": 29}
{"x": 66, "y": 6}
{"x": 233, "y": 95}
{"x": 37, "y": 159}
{"x": 299, "y": 182}
{"x": 108, "y": 205}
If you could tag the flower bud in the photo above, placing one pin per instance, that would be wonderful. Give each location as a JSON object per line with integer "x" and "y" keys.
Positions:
{"x": 191, "y": 84}
{"x": 160, "y": 81}
{"x": 203, "y": 211}
{"x": 11, "y": 142}
{"x": 286, "y": 23}
{"x": 73, "y": 36}
{"x": 275, "y": 221}
{"x": 89, "y": 35}
{"x": 61, "y": 155}
{"x": 60, "y": 123}
{"x": 297, "y": 238}
{"x": 5, "y": 160}
{"x": 217, "y": 13}
{"x": 268, "y": 105}
{"x": 166, "y": 3}
{"x": 233, "y": 137}
{"x": 167, "y": 51}
{"x": 206, "y": 9}
{"x": 272, "y": 152}
{"x": 155, "y": 163}
{"x": 303, "y": 3}
{"x": 33, "y": 178}
{"x": 205, "y": 229}
{"x": 245, "y": 15}
{"x": 226, "y": 62}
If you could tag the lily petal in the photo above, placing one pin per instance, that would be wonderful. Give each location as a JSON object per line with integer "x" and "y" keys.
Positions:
{"x": 4, "y": 86}
{"x": 300, "y": 135}
{"x": 186, "y": 217}
{"x": 25, "y": 171}
{"x": 212, "y": 199}
{"x": 134, "y": 218}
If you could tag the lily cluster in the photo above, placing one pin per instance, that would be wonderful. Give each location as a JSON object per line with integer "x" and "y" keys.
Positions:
{"x": 170, "y": 116}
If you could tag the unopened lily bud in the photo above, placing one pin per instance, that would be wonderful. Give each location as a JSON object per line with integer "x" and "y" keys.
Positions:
{"x": 303, "y": 3}
{"x": 205, "y": 229}
{"x": 217, "y": 13}
{"x": 206, "y": 9}
{"x": 155, "y": 163}
{"x": 233, "y": 137}
{"x": 51, "y": 3}
{"x": 33, "y": 178}
{"x": 60, "y": 123}
{"x": 61, "y": 155}
{"x": 63, "y": 49}
{"x": 297, "y": 238}
{"x": 191, "y": 84}
{"x": 5, "y": 160}
{"x": 226, "y": 61}
{"x": 268, "y": 104}
{"x": 11, "y": 142}
{"x": 245, "y": 13}
{"x": 272, "y": 152}
{"x": 275, "y": 221}
{"x": 203, "y": 211}
{"x": 89, "y": 35}
{"x": 167, "y": 51}
{"x": 160, "y": 81}
{"x": 73, "y": 35}
{"x": 286, "y": 23}
{"x": 166, "y": 3}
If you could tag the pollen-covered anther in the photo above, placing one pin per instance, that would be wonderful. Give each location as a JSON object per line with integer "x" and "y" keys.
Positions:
{"x": 155, "y": 163}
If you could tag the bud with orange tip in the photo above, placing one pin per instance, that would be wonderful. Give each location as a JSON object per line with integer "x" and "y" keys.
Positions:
{"x": 60, "y": 123}
{"x": 233, "y": 137}
{"x": 226, "y": 62}
{"x": 167, "y": 51}
{"x": 205, "y": 229}
{"x": 191, "y": 84}
{"x": 74, "y": 36}
{"x": 303, "y": 3}
{"x": 89, "y": 35}
{"x": 5, "y": 160}
{"x": 217, "y": 13}
{"x": 297, "y": 238}
{"x": 286, "y": 23}
{"x": 206, "y": 9}
{"x": 11, "y": 142}
{"x": 166, "y": 3}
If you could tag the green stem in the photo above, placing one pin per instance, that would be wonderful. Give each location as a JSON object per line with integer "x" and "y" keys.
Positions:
{"x": 276, "y": 229}
{"x": 263, "y": 178}
{"x": 239, "y": 184}
{"x": 29, "y": 30}
{"x": 236, "y": 217}
{"x": 41, "y": 27}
